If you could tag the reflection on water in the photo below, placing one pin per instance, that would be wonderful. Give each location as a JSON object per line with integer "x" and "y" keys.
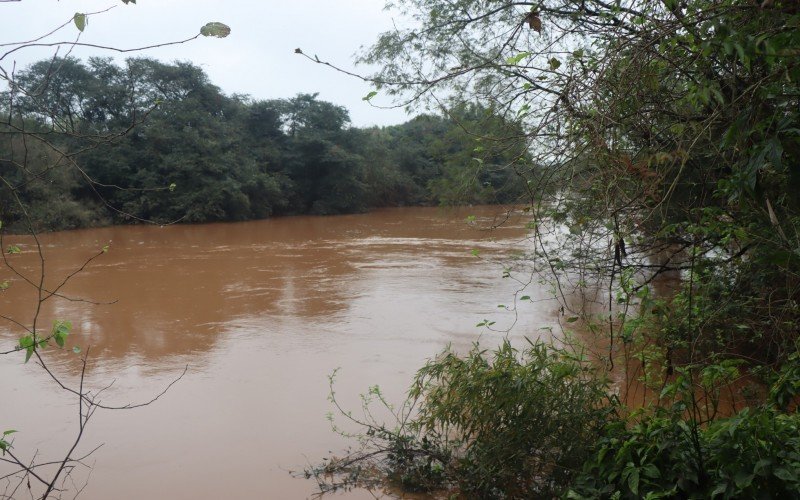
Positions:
{"x": 261, "y": 312}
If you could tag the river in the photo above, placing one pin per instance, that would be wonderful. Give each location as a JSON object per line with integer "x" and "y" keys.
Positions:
{"x": 261, "y": 313}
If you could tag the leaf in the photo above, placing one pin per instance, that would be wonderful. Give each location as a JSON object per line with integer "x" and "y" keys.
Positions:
{"x": 784, "y": 474}
{"x": 719, "y": 490}
{"x": 6, "y": 433}
{"x": 126, "y": 2}
{"x": 525, "y": 297}
{"x": 633, "y": 481}
{"x": 573, "y": 319}
{"x": 12, "y": 249}
{"x": 554, "y": 64}
{"x": 369, "y": 96}
{"x": 534, "y": 21}
{"x": 762, "y": 466}
{"x": 743, "y": 479}
{"x": 475, "y": 252}
{"x": 172, "y": 187}
{"x": 26, "y": 342}
{"x": 514, "y": 60}
{"x": 215, "y": 29}
{"x": 80, "y": 21}
{"x": 28, "y": 354}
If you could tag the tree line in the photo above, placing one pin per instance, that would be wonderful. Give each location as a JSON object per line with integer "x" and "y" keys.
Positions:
{"x": 155, "y": 141}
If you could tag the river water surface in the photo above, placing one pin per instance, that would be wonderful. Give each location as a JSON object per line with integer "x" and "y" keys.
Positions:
{"x": 261, "y": 312}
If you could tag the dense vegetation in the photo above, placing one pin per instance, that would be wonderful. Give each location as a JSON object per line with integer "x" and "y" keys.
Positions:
{"x": 663, "y": 177}
{"x": 159, "y": 142}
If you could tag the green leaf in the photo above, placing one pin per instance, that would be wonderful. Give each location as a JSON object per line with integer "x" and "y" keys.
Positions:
{"x": 62, "y": 327}
{"x": 6, "y": 433}
{"x": 28, "y": 354}
{"x": 719, "y": 490}
{"x": 215, "y": 29}
{"x": 26, "y": 342}
{"x": 80, "y": 21}
{"x": 475, "y": 252}
{"x": 525, "y": 297}
{"x": 761, "y": 466}
{"x": 785, "y": 474}
{"x": 369, "y": 96}
{"x": 743, "y": 480}
{"x": 573, "y": 319}
{"x": 554, "y": 64}
{"x": 633, "y": 481}
{"x": 172, "y": 187}
{"x": 514, "y": 60}
{"x": 12, "y": 249}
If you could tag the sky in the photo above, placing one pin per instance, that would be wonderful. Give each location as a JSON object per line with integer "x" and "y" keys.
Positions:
{"x": 257, "y": 58}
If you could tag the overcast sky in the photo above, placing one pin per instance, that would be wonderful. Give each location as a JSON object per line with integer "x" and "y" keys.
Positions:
{"x": 257, "y": 58}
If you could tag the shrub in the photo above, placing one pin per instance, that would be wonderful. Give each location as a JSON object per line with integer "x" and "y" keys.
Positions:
{"x": 502, "y": 424}
{"x": 754, "y": 454}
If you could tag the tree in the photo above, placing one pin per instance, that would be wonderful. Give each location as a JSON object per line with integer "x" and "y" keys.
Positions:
{"x": 327, "y": 177}
{"x": 663, "y": 135}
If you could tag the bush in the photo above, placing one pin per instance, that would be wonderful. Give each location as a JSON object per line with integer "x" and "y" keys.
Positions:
{"x": 754, "y": 454}
{"x": 503, "y": 424}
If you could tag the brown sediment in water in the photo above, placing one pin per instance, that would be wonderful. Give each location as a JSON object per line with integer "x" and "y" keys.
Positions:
{"x": 261, "y": 312}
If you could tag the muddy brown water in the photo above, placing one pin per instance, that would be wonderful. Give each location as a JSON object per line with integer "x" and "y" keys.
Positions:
{"x": 261, "y": 313}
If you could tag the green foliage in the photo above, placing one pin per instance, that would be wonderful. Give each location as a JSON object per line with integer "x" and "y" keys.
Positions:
{"x": 80, "y": 21}
{"x": 754, "y": 454}
{"x": 198, "y": 155}
{"x": 31, "y": 342}
{"x": 502, "y": 424}
{"x": 785, "y": 388}
{"x": 4, "y": 444}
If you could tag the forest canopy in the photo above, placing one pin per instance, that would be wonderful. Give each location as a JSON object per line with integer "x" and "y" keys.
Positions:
{"x": 159, "y": 142}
